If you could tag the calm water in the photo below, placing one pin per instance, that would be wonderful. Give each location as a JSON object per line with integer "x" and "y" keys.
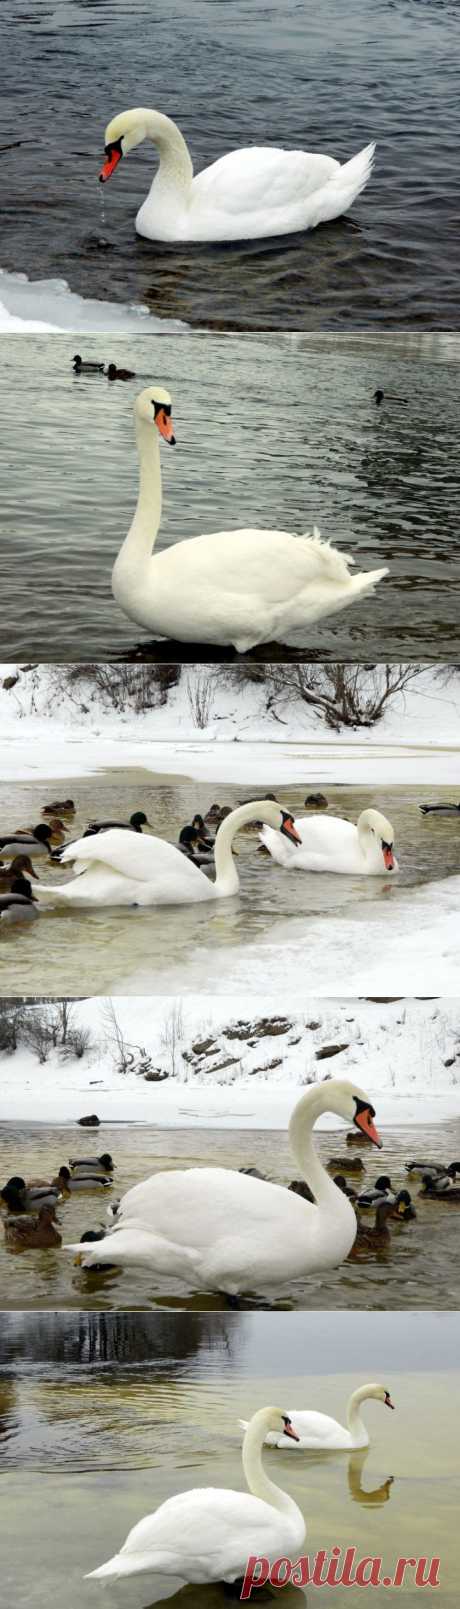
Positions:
{"x": 234, "y": 75}
{"x": 419, "y": 1269}
{"x": 174, "y": 949}
{"x": 270, "y": 432}
{"x": 107, "y": 1444}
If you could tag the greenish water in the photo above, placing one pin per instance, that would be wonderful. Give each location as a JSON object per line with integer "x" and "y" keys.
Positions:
{"x": 88, "y": 1449}
{"x": 419, "y": 1267}
{"x": 104, "y": 951}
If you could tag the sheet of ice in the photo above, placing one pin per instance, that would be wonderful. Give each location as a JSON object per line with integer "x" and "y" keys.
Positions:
{"x": 403, "y": 1052}
{"x": 50, "y": 304}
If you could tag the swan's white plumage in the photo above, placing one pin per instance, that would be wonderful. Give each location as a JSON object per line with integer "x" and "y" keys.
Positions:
{"x": 330, "y": 844}
{"x": 116, "y": 867}
{"x": 219, "y": 1229}
{"x": 238, "y": 588}
{"x": 209, "y": 1533}
{"x": 320, "y": 1432}
{"x": 252, "y": 193}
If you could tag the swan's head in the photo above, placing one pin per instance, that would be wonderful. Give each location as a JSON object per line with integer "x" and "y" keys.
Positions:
{"x": 122, "y": 134}
{"x": 381, "y": 1394}
{"x": 273, "y": 1419}
{"x": 350, "y": 1102}
{"x": 281, "y": 820}
{"x": 373, "y": 822}
{"x": 153, "y": 407}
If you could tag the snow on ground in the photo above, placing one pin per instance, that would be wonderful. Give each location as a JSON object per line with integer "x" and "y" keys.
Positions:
{"x": 21, "y": 299}
{"x": 46, "y": 733}
{"x": 405, "y": 1054}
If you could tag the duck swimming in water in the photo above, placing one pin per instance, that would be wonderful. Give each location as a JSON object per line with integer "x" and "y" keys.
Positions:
{"x": 18, "y": 904}
{"x": 120, "y": 374}
{"x": 31, "y": 1230}
{"x": 35, "y": 842}
{"x": 440, "y": 810}
{"x": 82, "y": 366}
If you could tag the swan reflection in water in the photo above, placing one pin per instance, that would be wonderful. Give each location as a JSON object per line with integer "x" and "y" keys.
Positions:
{"x": 367, "y": 1499}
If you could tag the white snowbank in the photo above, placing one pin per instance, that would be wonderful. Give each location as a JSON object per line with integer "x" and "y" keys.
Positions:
{"x": 58, "y": 309}
{"x": 398, "y": 1051}
{"x": 45, "y": 735}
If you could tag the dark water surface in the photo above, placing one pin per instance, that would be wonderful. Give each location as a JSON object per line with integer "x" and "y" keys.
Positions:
{"x": 120, "y": 1413}
{"x": 322, "y": 77}
{"x": 275, "y": 432}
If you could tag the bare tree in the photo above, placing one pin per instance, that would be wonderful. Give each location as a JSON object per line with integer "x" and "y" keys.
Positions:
{"x": 127, "y": 1057}
{"x": 344, "y": 695}
{"x": 200, "y": 697}
{"x": 172, "y": 1037}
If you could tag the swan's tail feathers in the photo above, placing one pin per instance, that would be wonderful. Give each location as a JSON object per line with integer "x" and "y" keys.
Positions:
{"x": 342, "y": 190}
{"x": 122, "y": 1564}
{"x": 366, "y": 581}
{"x": 329, "y": 564}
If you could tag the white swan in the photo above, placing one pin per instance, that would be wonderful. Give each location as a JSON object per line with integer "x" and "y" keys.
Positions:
{"x": 248, "y": 195}
{"x": 332, "y": 845}
{"x": 209, "y": 1533}
{"x": 221, "y": 1230}
{"x": 235, "y": 588}
{"x": 127, "y": 868}
{"x": 318, "y": 1430}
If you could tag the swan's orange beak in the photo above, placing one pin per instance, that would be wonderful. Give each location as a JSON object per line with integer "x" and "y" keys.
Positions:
{"x": 113, "y": 157}
{"x": 289, "y": 1430}
{"x": 289, "y": 828}
{"x": 364, "y": 1121}
{"x": 388, "y": 856}
{"x": 165, "y": 426}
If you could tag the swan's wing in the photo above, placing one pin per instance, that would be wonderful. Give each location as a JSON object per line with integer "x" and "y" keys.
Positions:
{"x": 208, "y": 1204}
{"x": 135, "y": 855}
{"x": 218, "y": 1526}
{"x": 262, "y": 179}
{"x": 266, "y": 568}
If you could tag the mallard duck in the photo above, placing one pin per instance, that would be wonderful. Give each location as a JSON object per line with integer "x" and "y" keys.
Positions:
{"x": 120, "y": 374}
{"x": 382, "y": 1189}
{"x": 18, "y": 842}
{"x": 69, "y": 1182}
{"x": 98, "y": 1164}
{"x": 440, "y": 810}
{"x": 21, "y": 865}
{"x": 82, "y": 366}
{"x": 96, "y": 1268}
{"x": 18, "y": 905}
{"x": 402, "y": 1207}
{"x": 61, "y": 807}
{"x": 136, "y": 822}
{"x": 436, "y": 1170}
{"x": 21, "y": 1197}
{"x": 301, "y": 1188}
{"x": 346, "y": 1164}
{"x": 38, "y": 1229}
{"x": 357, "y": 1139}
{"x": 439, "y": 1188}
{"x": 347, "y": 1189}
{"x": 372, "y": 1237}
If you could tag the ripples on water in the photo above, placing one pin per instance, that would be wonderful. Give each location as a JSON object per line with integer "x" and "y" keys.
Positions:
{"x": 234, "y": 75}
{"x": 419, "y": 1270}
{"x": 100, "y": 951}
{"x": 276, "y": 433}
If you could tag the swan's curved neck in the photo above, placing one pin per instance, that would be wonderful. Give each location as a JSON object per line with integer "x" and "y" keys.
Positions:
{"x": 176, "y": 167}
{"x": 303, "y": 1118}
{"x": 144, "y": 528}
{"x": 256, "y": 1477}
{"x": 227, "y": 881}
{"x": 354, "y": 1421}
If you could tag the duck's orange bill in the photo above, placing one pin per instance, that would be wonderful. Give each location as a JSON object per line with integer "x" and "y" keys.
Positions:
{"x": 165, "y": 426}
{"x": 365, "y": 1122}
{"x": 110, "y": 164}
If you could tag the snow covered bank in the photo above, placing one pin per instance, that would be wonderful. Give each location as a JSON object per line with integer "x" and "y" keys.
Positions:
{"x": 44, "y": 735}
{"x": 228, "y": 1067}
{"x": 50, "y": 305}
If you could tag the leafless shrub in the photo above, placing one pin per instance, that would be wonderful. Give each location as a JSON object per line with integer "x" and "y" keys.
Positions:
{"x": 127, "y": 1057}
{"x": 200, "y": 697}
{"x": 344, "y": 695}
{"x": 172, "y": 1037}
{"x": 129, "y": 688}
